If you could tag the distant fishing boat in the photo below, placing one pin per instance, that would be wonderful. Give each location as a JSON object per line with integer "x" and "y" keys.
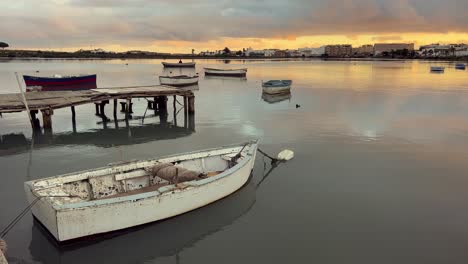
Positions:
{"x": 226, "y": 72}
{"x": 178, "y": 64}
{"x": 460, "y": 66}
{"x": 276, "y": 86}
{"x": 129, "y": 194}
{"x": 179, "y": 80}
{"x": 60, "y": 83}
{"x": 437, "y": 69}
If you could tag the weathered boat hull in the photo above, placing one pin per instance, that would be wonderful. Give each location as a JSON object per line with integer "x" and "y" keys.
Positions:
{"x": 61, "y": 83}
{"x": 460, "y": 66}
{"x": 228, "y": 72}
{"x": 277, "y": 90}
{"x": 76, "y": 220}
{"x": 276, "y": 98}
{"x": 152, "y": 241}
{"x": 179, "y": 82}
{"x": 178, "y": 65}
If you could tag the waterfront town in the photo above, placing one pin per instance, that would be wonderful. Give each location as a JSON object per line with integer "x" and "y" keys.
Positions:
{"x": 378, "y": 50}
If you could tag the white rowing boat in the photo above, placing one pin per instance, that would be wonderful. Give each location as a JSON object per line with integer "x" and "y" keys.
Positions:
{"x": 276, "y": 86}
{"x": 124, "y": 195}
{"x": 226, "y": 72}
{"x": 179, "y": 80}
{"x": 178, "y": 64}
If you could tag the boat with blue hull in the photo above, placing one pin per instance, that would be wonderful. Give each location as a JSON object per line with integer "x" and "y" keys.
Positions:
{"x": 276, "y": 86}
{"x": 60, "y": 83}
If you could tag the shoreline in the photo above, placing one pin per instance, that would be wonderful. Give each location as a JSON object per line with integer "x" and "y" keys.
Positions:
{"x": 7, "y": 55}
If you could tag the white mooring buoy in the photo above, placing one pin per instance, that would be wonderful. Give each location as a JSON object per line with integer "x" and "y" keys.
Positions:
{"x": 285, "y": 155}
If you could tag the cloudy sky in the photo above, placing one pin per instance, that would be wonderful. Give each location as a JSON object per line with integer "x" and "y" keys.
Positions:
{"x": 180, "y": 25}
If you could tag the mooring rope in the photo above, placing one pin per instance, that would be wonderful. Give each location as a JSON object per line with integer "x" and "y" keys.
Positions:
{"x": 23, "y": 213}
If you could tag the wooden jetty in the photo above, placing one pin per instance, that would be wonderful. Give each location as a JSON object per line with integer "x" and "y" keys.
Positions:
{"x": 47, "y": 101}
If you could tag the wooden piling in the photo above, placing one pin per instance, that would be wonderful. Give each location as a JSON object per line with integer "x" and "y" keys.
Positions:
{"x": 115, "y": 108}
{"x": 185, "y": 112}
{"x": 73, "y": 118}
{"x": 97, "y": 108}
{"x": 47, "y": 119}
{"x": 127, "y": 108}
{"x": 175, "y": 110}
{"x": 191, "y": 104}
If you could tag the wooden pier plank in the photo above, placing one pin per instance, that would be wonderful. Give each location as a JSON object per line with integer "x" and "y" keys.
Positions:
{"x": 60, "y": 99}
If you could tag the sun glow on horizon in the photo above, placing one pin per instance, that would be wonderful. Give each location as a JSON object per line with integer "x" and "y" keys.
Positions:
{"x": 290, "y": 42}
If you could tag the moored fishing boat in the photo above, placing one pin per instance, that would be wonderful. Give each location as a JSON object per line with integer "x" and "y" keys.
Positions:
{"x": 276, "y": 86}
{"x": 178, "y": 64}
{"x": 179, "y": 80}
{"x": 129, "y": 194}
{"x": 460, "y": 66}
{"x": 437, "y": 69}
{"x": 226, "y": 72}
{"x": 60, "y": 83}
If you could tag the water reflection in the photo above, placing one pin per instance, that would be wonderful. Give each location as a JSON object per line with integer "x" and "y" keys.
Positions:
{"x": 226, "y": 78}
{"x": 147, "y": 242}
{"x": 276, "y": 98}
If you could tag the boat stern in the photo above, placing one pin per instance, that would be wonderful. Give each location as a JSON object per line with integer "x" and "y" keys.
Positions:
{"x": 42, "y": 209}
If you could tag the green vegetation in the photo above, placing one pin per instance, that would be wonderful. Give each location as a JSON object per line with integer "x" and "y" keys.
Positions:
{"x": 4, "y": 45}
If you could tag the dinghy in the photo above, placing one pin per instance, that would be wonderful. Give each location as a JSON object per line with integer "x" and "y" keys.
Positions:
{"x": 129, "y": 194}
{"x": 460, "y": 66}
{"x": 179, "y": 80}
{"x": 226, "y": 72}
{"x": 277, "y": 86}
{"x": 60, "y": 83}
{"x": 178, "y": 64}
{"x": 437, "y": 69}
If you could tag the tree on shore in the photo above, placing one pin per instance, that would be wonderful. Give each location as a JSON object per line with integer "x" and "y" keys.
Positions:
{"x": 4, "y": 45}
{"x": 226, "y": 51}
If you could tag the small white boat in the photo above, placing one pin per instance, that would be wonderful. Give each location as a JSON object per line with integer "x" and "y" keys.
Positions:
{"x": 437, "y": 69}
{"x": 178, "y": 64}
{"x": 226, "y": 72}
{"x": 277, "y": 86}
{"x": 179, "y": 80}
{"x": 129, "y": 194}
{"x": 460, "y": 66}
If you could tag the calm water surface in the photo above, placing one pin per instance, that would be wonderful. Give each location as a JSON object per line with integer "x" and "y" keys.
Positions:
{"x": 380, "y": 173}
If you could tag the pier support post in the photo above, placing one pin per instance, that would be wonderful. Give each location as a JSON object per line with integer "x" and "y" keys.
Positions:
{"x": 127, "y": 109}
{"x": 47, "y": 119}
{"x": 162, "y": 106}
{"x": 175, "y": 110}
{"x": 191, "y": 104}
{"x": 185, "y": 111}
{"x": 73, "y": 118}
{"x": 115, "y": 108}
{"x": 97, "y": 108}
{"x": 35, "y": 121}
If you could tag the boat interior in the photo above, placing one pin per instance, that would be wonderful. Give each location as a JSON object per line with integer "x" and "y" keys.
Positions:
{"x": 138, "y": 177}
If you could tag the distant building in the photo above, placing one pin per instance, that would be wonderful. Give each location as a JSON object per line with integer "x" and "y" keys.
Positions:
{"x": 249, "y": 52}
{"x": 437, "y": 50}
{"x": 280, "y": 54}
{"x": 364, "y": 50}
{"x": 311, "y": 52}
{"x": 380, "y": 48}
{"x": 339, "y": 50}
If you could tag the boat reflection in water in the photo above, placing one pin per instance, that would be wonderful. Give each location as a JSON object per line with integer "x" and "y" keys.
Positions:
{"x": 226, "y": 78}
{"x": 146, "y": 242}
{"x": 276, "y": 98}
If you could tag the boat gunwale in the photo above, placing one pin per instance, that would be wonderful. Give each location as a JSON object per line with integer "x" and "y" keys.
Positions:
{"x": 225, "y": 70}
{"x": 145, "y": 195}
{"x": 180, "y": 77}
